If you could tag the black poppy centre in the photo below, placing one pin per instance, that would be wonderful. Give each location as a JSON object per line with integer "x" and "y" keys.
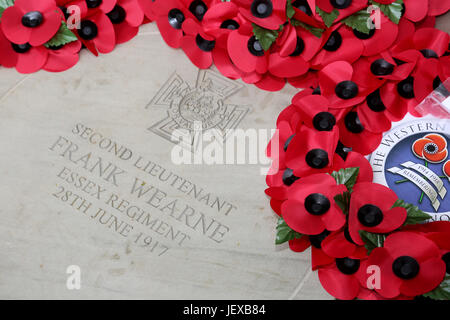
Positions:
{"x": 21, "y": 48}
{"x": 317, "y": 204}
{"x": 230, "y": 25}
{"x": 88, "y": 30}
{"x": 353, "y": 123}
{"x": 364, "y": 36}
{"x": 176, "y": 18}
{"x": 255, "y": 47}
{"x": 374, "y": 101}
{"x": 370, "y": 215}
{"x": 405, "y": 267}
{"x": 205, "y": 45}
{"x": 405, "y": 88}
{"x": 299, "y": 48}
{"x": 117, "y": 15}
{"x": 288, "y": 177}
{"x": 198, "y": 9}
{"x": 261, "y": 8}
{"x": 302, "y": 5}
{"x": 32, "y": 19}
{"x": 316, "y": 240}
{"x": 347, "y": 265}
{"x": 341, "y": 4}
{"x": 381, "y": 67}
{"x": 93, "y": 3}
{"x": 317, "y": 158}
{"x": 431, "y": 148}
{"x": 346, "y": 90}
{"x": 324, "y": 121}
{"x": 428, "y": 53}
{"x": 334, "y": 42}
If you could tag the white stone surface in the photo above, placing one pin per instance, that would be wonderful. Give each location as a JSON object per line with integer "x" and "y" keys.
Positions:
{"x": 40, "y": 235}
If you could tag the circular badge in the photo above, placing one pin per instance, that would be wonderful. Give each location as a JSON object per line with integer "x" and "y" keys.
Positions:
{"x": 413, "y": 160}
{"x": 197, "y": 105}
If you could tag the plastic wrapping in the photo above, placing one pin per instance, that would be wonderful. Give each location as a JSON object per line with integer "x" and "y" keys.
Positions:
{"x": 437, "y": 103}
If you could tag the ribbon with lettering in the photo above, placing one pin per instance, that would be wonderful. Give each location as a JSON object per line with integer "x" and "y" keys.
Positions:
{"x": 421, "y": 183}
{"x": 430, "y": 175}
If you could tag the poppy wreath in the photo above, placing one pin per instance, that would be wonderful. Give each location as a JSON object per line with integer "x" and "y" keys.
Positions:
{"x": 361, "y": 65}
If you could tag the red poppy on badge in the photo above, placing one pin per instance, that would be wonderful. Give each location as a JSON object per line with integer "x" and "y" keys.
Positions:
{"x": 432, "y": 147}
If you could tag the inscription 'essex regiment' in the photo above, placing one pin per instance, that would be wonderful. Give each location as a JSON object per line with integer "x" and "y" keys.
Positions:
{"x": 81, "y": 191}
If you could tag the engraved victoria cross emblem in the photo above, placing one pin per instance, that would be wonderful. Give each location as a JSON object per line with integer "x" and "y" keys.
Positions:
{"x": 413, "y": 160}
{"x": 204, "y": 103}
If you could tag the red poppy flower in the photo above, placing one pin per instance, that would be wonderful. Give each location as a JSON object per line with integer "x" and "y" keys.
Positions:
{"x": 170, "y": 16}
{"x": 340, "y": 85}
{"x": 97, "y": 32}
{"x": 31, "y": 21}
{"x": 340, "y": 278}
{"x": 311, "y": 151}
{"x": 200, "y": 7}
{"x": 401, "y": 94}
{"x": 197, "y": 45}
{"x": 24, "y": 57}
{"x": 385, "y": 66}
{"x": 432, "y": 148}
{"x": 353, "y": 134}
{"x": 406, "y": 269}
{"x": 371, "y": 210}
{"x": 341, "y": 45}
{"x": 345, "y": 8}
{"x": 315, "y": 111}
{"x": 375, "y": 113}
{"x": 63, "y": 58}
{"x": 126, "y": 17}
{"x": 439, "y": 233}
{"x": 269, "y": 14}
{"x": 246, "y": 52}
{"x": 296, "y": 47}
{"x": 378, "y": 40}
{"x": 431, "y": 42}
{"x": 310, "y": 207}
{"x": 219, "y": 21}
